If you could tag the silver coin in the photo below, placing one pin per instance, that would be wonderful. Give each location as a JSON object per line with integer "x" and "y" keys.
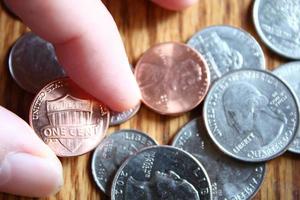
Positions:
{"x": 290, "y": 73}
{"x": 230, "y": 178}
{"x": 117, "y": 118}
{"x": 227, "y": 48}
{"x": 161, "y": 172}
{"x": 32, "y": 63}
{"x": 278, "y": 24}
{"x": 251, "y": 115}
{"x": 113, "y": 151}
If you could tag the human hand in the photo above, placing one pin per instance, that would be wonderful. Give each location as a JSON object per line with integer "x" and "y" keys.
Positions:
{"x": 90, "y": 48}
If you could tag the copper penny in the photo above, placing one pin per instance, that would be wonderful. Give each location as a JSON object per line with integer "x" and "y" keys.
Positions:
{"x": 67, "y": 119}
{"x": 173, "y": 78}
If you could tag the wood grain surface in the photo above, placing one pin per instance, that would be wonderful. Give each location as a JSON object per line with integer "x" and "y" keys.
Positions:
{"x": 143, "y": 24}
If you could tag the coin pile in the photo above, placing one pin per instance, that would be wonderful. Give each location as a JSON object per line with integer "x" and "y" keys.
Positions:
{"x": 250, "y": 115}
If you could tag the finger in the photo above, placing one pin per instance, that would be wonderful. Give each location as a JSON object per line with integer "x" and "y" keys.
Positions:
{"x": 27, "y": 166}
{"x": 175, "y": 4}
{"x": 87, "y": 44}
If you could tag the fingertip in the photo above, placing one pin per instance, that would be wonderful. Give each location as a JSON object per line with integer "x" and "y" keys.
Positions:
{"x": 28, "y": 175}
{"x": 27, "y": 165}
{"x": 175, "y": 4}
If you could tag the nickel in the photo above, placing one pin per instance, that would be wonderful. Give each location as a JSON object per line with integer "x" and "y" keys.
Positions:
{"x": 227, "y": 48}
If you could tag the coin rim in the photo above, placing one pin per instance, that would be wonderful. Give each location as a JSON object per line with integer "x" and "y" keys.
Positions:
{"x": 295, "y": 99}
{"x": 94, "y": 156}
{"x": 263, "y": 37}
{"x": 153, "y": 147}
{"x": 264, "y": 164}
{"x": 205, "y": 67}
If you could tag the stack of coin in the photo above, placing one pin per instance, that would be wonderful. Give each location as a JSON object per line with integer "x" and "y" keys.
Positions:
{"x": 250, "y": 115}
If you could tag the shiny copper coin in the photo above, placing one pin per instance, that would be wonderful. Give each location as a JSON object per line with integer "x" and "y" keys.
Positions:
{"x": 68, "y": 120}
{"x": 173, "y": 78}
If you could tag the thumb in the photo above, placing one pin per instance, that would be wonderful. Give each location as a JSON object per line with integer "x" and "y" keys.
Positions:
{"x": 27, "y": 166}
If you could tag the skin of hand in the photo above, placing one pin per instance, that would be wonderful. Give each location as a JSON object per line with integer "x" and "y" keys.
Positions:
{"x": 89, "y": 46}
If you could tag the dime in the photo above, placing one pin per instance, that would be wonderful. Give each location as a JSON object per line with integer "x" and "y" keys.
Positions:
{"x": 173, "y": 78}
{"x": 251, "y": 115}
{"x": 278, "y": 25}
{"x": 290, "y": 73}
{"x": 68, "y": 120}
{"x": 117, "y": 118}
{"x": 32, "y": 63}
{"x": 227, "y": 48}
{"x": 230, "y": 178}
{"x": 161, "y": 172}
{"x": 113, "y": 151}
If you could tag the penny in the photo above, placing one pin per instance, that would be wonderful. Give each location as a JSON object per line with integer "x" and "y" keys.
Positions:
{"x": 113, "y": 151}
{"x": 117, "y": 118}
{"x": 230, "y": 178}
{"x": 251, "y": 115}
{"x": 173, "y": 78}
{"x": 290, "y": 73}
{"x": 67, "y": 119}
{"x": 32, "y": 63}
{"x": 161, "y": 172}
{"x": 278, "y": 25}
{"x": 227, "y": 48}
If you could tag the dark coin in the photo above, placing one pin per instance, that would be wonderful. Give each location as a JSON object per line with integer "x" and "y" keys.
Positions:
{"x": 113, "y": 151}
{"x": 32, "y": 63}
{"x": 161, "y": 172}
{"x": 230, "y": 178}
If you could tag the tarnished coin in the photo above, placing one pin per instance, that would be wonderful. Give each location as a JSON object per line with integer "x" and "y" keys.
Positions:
{"x": 68, "y": 120}
{"x": 278, "y": 24}
{"x": 113, "y": 151}
{"x": 117, "y": 118}
{"x": 227, "y": 48}
{"x": 161, "y": 172}
{"x": 230, "y": 178}
{"x": 32, "y": 63}
{"x": 173, "y": 78}
{"x": 290, "y": 73}
{"x": 251, "y": 115}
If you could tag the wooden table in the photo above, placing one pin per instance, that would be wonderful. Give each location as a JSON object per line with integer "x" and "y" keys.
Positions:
{"x": 143, "y": 24}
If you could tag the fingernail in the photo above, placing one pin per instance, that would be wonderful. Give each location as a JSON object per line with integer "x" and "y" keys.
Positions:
{"x": 28, "y": 175}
